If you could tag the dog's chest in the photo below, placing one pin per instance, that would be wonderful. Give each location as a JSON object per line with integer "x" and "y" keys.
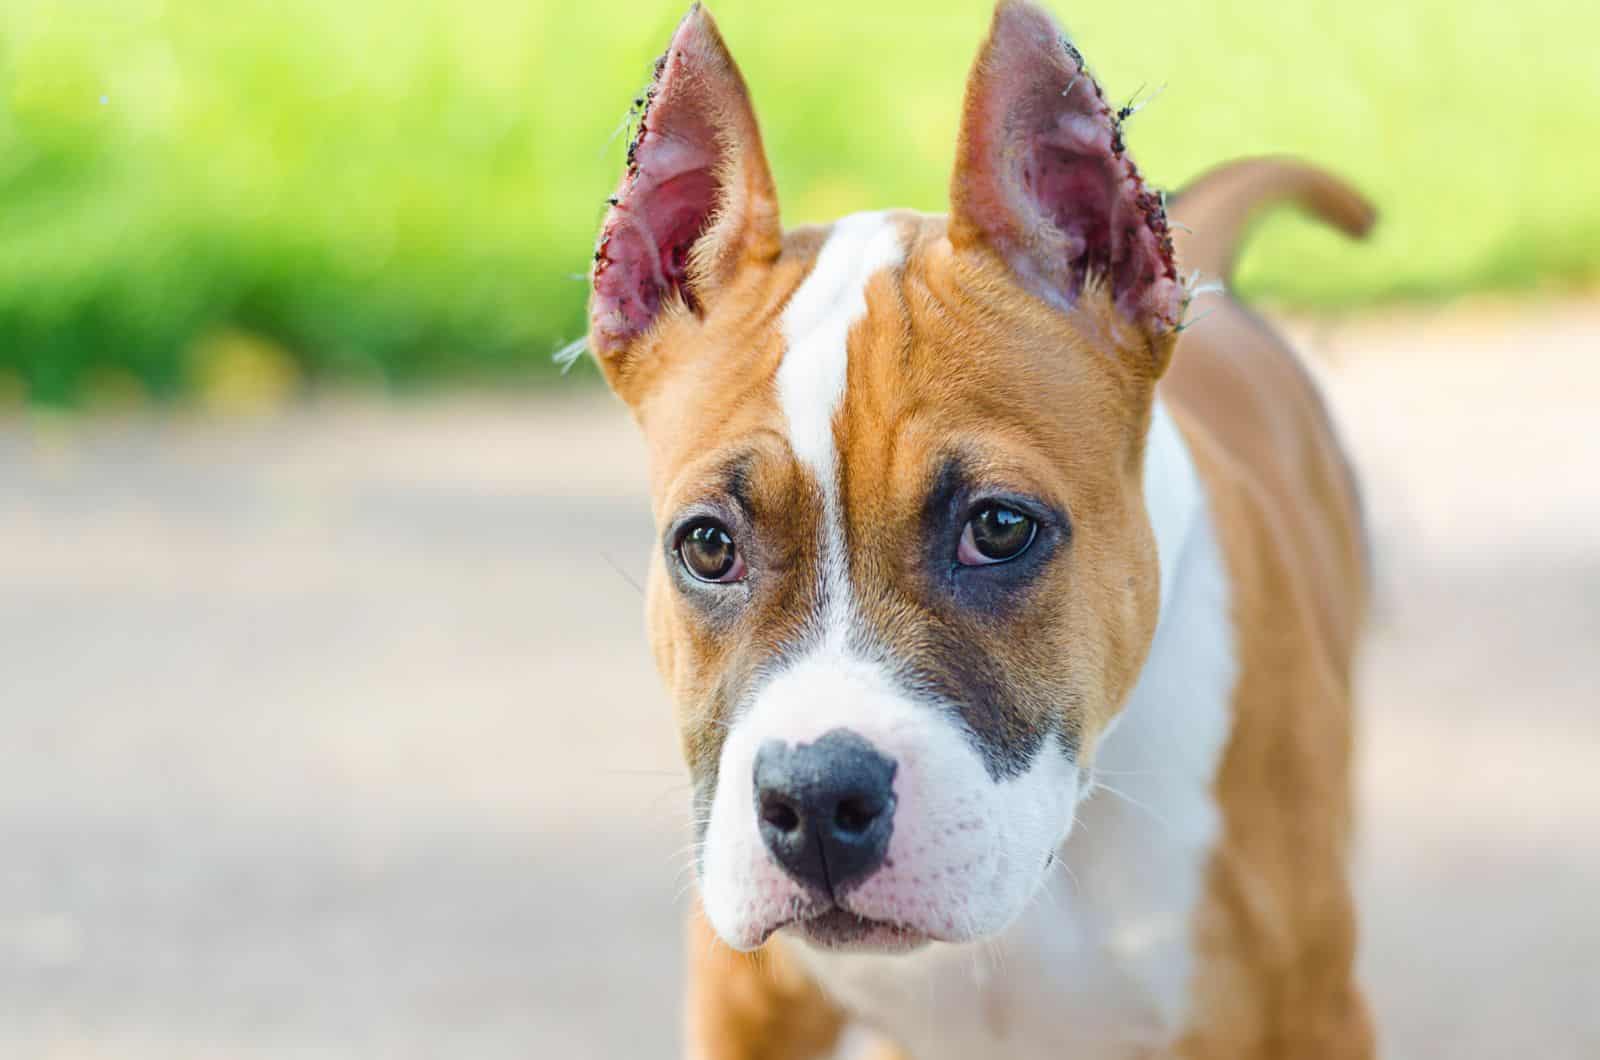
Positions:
{"x": 1100, "y": 965}
{"x": 1040, "y": 992}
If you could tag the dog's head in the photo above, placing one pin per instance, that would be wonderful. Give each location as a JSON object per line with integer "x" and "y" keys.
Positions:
{"x": 905, "y": 575}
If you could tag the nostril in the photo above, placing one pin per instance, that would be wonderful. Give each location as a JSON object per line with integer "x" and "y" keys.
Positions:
{"x": 855, "y": 815}
{"x": 825, "y": 809}
{"x": 780, "y": 815}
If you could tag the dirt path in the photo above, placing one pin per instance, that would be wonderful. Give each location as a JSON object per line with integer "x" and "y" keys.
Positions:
{"x": 334, "y": 735}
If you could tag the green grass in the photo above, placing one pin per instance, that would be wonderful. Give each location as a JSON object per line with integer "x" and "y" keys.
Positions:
{"x": 401, "y": 192}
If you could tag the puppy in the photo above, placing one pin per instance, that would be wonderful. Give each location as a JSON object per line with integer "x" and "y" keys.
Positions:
{"x": 1010, "y": 632}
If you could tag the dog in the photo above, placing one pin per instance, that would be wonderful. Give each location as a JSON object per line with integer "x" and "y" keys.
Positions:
{"x": 1010, "y": 633}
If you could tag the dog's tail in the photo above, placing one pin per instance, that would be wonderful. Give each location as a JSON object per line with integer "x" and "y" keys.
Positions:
{"x": 1216, "y": 209}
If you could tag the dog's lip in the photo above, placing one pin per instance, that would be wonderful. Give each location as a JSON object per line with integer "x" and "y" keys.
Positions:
{"x": 836, "y": 927}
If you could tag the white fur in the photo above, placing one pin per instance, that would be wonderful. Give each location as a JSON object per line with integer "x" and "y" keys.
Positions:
{"x": 1092, "y": 959}
{"x": 1172, "y": 495}
{"x": 815, "y": 325}
{"x": 813, "y": 375}
{"x": 966, "y": 852}
{"x": 1100, "y": 965}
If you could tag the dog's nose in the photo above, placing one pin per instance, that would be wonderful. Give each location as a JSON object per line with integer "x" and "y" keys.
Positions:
{"x": 826, "y": 809}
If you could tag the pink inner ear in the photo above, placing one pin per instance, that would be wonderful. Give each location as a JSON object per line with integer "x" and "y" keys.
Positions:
{"x": 1076, "y": 192}
{"x": 670, "y": 191}
{"x": 1078, "y": 177}
{"x": 644, "y": 247}
{"x": 1044, "y": 178}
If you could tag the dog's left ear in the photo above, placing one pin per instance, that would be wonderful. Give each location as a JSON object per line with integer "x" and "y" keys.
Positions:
{"x": 1042, "y": 178}
{"x": 696, "y": 201}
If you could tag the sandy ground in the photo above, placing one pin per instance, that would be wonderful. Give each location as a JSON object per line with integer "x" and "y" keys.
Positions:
{"x": 334, "y": 734}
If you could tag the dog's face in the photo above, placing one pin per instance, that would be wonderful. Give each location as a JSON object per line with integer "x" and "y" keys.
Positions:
{"x": 905, "y": 575}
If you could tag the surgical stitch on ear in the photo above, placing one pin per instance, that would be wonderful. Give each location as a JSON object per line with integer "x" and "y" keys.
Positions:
{"x": 1133, "y": 106}
{"x": 635, "y": 112}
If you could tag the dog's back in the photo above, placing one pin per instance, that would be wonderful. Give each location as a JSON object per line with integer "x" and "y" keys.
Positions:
{"x": 1280, "y": 923}
{"x": 1234, "y": 378}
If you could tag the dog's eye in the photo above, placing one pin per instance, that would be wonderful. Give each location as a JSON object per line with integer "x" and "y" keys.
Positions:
{"x": 709, "y": 554}
{"x": 994, "y": 534}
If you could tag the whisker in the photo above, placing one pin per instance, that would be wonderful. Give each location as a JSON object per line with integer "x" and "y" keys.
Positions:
{"x": 1131, "y": 801}
{"x": 571, "y": 353}
{"x": 624, "y": 575}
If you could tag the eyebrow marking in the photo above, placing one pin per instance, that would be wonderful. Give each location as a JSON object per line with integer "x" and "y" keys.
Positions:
{"x": 736, "y": 481}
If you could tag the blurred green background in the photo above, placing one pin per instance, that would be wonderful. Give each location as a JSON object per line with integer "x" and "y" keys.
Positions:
{"x": 230, "y": 198}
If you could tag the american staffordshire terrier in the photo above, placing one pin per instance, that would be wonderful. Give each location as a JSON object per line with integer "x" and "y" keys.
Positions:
{"x": 1009, "y": 620}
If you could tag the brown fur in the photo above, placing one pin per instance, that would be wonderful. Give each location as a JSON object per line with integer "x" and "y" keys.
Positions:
{"x": 744, "y": 1005}
{"x": 1276, "y": 929}
{"x": 955, "y": 356}
{"x": 1090, "y": 619}
{"x": 1277, "y": 932}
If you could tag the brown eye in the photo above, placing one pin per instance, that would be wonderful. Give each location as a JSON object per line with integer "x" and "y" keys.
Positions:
{"x": 709, "y": 554}
{"x": 994, "y": 534}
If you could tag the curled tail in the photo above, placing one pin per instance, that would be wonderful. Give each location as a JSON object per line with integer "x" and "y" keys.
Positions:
{"x": 1218, "y": 207}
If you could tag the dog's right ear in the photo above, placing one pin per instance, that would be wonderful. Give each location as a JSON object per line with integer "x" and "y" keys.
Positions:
{"x": 696, "y": 203}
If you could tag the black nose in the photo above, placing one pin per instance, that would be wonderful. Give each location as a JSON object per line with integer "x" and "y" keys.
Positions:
{"x": 826, "y": 809}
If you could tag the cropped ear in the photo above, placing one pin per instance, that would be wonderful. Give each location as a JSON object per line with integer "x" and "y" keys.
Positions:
{"x": 1042, "y": 178}
{"x": 696, "y": 202}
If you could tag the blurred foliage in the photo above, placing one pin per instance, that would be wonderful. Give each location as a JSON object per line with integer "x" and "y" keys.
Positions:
{"x": 404, "y": 191}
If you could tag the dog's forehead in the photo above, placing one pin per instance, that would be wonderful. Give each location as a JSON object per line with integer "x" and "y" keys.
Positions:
{"x": 861, "y": 251}
{"x": 760, "y": 380}
{"x": 868, "y": 349}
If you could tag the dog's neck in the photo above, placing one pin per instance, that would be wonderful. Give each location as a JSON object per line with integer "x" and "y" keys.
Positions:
{"x": 1171, "y": 495}
{"x": 1140, "y": 856}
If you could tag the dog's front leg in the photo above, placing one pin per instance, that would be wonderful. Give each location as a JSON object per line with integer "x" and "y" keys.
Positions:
{"x": 753, "y": 1006}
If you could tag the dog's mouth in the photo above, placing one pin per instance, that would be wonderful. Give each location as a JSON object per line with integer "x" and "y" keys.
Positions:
{"x": 840, "y": 929}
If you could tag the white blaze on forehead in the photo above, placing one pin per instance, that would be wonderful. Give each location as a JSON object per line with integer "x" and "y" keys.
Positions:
{"x": 816, "y": 324}
{"x": 811, "y": 380}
